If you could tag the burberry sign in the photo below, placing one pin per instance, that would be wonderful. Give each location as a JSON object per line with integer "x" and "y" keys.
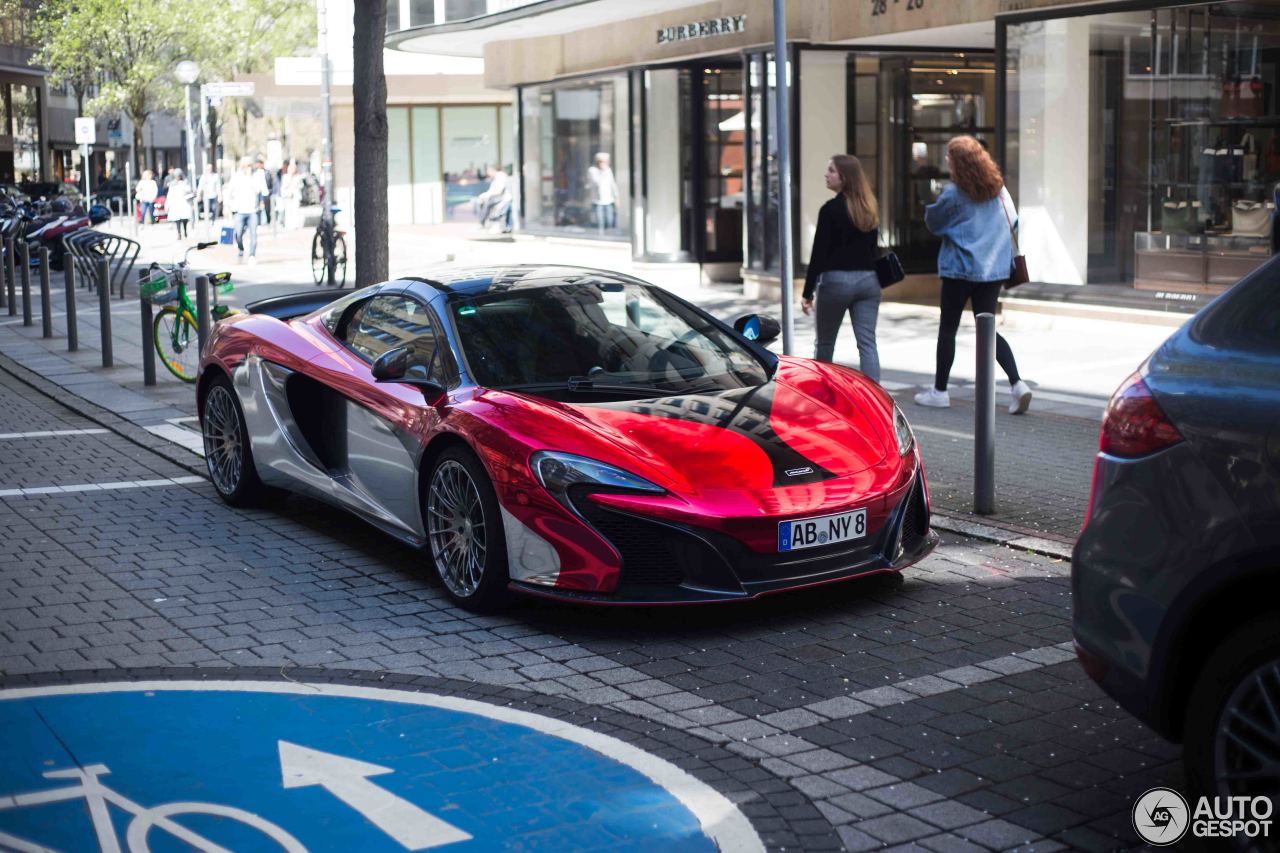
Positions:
{"x": 702, "y": 29}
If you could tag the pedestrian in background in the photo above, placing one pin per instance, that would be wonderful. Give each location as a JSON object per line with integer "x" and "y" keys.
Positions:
{"x": 178, "y": 203}
{"x": 145, "y": 192}
{"x": 976, "y": 226}
{"x": 841, "y": 277}
{"x": 209, "y": 191}
{"x": 264, "y": 209}
{"x": 245, "y": 192}
{"x": 291, "y": 195}
{"x": 604, "y": 193}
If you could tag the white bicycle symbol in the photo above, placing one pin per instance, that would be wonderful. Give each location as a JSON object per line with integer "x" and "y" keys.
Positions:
{"x": 98, "y": 796}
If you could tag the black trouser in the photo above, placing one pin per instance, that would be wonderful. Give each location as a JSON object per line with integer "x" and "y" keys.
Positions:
{"x": 984, "y": 295}
{"x": 182, "y": 228}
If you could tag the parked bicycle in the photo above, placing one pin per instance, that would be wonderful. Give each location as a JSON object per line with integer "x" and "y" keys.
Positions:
{"x": 98, "y": 797}
{"x": 329, "y": 251}
{"x": 175, "y": 327}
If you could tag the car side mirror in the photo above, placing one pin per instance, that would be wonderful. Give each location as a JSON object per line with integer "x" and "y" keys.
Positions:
{"x": 393, "y": 366}
{"x": 759, "y": 328}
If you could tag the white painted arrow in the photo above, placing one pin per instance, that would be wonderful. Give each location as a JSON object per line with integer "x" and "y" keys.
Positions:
{"x": 345, "y": 778}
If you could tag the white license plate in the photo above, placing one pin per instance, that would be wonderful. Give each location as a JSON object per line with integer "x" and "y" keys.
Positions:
{"x": 822, "y": 530}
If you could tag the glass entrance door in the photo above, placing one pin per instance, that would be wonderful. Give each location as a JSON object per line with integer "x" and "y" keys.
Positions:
{"x": 723, "y": 150}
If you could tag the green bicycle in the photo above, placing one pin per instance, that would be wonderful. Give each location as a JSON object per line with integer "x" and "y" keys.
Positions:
{"x": 174, "y": 327}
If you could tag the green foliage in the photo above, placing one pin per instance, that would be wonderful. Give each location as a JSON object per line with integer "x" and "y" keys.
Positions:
{"x": 131, "y": 46}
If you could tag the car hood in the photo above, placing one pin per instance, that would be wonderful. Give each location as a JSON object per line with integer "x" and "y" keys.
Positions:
{"x": 806, "y": 426}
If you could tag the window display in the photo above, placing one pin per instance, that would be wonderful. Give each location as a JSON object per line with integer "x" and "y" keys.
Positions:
{"x": 1215, "y": 145}
{"x": 1171, "y": 115}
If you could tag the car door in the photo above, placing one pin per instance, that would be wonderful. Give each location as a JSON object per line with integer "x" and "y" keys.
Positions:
{"x": 383, "y": 425}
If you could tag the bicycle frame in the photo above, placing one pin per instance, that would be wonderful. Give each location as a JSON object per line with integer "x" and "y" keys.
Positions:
{"x": 98, "y": 797}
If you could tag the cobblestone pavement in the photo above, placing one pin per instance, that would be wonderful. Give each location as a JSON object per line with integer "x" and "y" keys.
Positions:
{"x": 945, "y": 713}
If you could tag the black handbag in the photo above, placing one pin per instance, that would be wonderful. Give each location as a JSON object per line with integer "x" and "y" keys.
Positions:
{"x": 889, "y": 269}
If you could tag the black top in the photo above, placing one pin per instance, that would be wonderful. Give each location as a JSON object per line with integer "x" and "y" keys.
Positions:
{"x": 839, "y": 244}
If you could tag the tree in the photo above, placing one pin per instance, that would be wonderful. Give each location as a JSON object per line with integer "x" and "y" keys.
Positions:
{"x": 245, "y": 38}
{"x": 369, "y": 93}
{"x": 133, "y": 44}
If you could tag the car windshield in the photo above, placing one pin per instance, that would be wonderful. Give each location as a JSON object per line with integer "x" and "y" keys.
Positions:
{"x": 598, "y": 337}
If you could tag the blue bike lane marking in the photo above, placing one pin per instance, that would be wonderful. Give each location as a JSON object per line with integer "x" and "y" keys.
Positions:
{"x": 247, "y": 766}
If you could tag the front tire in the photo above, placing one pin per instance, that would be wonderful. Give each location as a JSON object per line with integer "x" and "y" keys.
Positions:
{"x": 227, "y": 454}
{"x": 464, "y": 531}
{"x": 1231, "y": 739}
{"x": 177, "y": 342}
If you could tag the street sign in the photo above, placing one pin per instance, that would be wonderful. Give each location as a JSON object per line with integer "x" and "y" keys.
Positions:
{"x": 86, "y": 131}
{"x": 228, "y": 90}
{"x": 244, "y": 765}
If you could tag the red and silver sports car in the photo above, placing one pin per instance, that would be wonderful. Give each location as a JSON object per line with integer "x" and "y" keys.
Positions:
{"x": 566, "y": 432}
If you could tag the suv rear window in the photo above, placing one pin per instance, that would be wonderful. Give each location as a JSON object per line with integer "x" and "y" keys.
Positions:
{"x": 1247, "y": 317}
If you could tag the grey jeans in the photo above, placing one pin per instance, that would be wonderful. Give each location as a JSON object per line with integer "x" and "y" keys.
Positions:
{"x": 855, "y": 291}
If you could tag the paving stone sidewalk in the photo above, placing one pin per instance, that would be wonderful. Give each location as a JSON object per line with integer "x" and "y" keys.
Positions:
{"x": 943, "y": 714}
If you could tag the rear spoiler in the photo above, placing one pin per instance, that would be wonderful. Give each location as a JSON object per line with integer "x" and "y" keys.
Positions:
{"x": 294, "y": 304}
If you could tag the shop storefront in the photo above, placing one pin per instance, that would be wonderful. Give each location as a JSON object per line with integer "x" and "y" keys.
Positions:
{"x": 21, "y": 147}
{"x": 1144, "y": 144}
{"x": 438, "y": 159}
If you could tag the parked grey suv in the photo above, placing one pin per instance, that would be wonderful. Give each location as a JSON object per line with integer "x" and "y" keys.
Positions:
{"x": 1176, "y": 575}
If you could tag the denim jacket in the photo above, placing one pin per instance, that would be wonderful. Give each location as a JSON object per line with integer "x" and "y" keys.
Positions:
{"x": 976, "y": 240}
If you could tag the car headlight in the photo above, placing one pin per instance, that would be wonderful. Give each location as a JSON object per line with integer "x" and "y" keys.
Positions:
{"x": 559, "y": 472}
{"x": 902, "y": 432}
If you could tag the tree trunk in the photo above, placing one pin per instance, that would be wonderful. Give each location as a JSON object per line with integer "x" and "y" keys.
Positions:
{"x": 369, "y": 93}
{"x": 213, "y": 138}
{"x": 139, "y": 155}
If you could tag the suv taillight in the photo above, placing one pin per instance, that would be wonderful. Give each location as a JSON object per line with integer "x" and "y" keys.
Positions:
{"x": 1134, "y": 424}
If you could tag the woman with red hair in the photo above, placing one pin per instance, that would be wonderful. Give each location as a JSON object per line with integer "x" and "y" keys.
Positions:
{"x": 974, "y": 216}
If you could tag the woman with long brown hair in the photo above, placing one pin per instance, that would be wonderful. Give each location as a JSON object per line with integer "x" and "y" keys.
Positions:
{"x": 974, "y": 216}
{"x": 841, "y": 276}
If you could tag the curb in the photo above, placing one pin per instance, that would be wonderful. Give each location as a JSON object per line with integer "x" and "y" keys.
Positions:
{"x": 1001, "y": 536}
{"x": 105, "y": 418}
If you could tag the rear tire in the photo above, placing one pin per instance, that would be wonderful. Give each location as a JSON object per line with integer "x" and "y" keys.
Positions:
{"x": 227, "y": 454}
{"x": 464, "y": 531}
{"x": 1231, "y": 709}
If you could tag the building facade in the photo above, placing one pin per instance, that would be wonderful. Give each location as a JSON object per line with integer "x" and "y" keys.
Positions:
{"x": 1135, "y": 136}
{"x": 23, "y": 132}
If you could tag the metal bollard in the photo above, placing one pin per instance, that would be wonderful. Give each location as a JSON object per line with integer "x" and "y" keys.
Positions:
{"x": 203, "y": 320}
{"x": 24, "y": 258}
{"x": 104, "y": 310}
{"x": 5, "y": 287}
{"x": 148, "y": 334}
{"x": 10, "y": 276}
{"x": 69, "y": 276}
{"x": 984, "y": 418}
{"x": 46, "y": 297}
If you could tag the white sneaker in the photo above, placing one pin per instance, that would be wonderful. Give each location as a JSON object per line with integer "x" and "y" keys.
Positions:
{"x": 1021, "y": 398}
{"x": 934, "y": 398}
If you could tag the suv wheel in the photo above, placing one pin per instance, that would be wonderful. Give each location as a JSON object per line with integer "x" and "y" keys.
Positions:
{"x": 1231, "y": 741}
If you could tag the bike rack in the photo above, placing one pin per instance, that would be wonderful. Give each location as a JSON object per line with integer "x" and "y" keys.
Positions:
{"x": 88, "y": 247}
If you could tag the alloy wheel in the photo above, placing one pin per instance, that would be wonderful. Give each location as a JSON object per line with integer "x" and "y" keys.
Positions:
{"x": 456, "y": 528}
{"x": 223, "y": 440}
{"x": 1247, "y": 740}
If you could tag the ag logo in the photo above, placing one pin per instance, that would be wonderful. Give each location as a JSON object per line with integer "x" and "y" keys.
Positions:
{"x": 1161, "y": 817}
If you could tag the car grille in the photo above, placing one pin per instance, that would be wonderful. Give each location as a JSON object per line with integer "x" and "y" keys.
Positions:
{"x": 652, "y": 554}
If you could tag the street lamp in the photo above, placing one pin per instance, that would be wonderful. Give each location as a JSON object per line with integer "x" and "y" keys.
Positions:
{"x": 187, "y": 73}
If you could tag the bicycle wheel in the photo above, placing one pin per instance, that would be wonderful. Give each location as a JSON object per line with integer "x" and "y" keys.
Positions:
{"x": 339, "y": 260}
{"x": 161, "y": 817}
{"x": 317, "y": 259}
{"x": 177, "y": 342}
